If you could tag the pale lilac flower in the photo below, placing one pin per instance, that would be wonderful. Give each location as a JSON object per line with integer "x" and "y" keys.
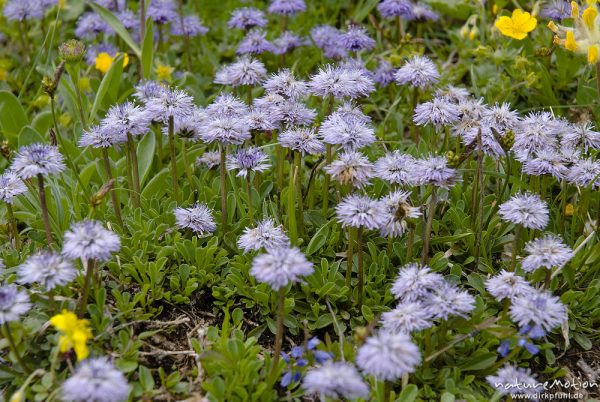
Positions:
{"x": 398, "y": 209}
{"x": 265, "y": 235}
{"x": 447, "y": 300}
{"x": 263, "y": 120}
{"x": 280, "y": 267}
{"x": 90, "y": 25}
{"x": 581, "y": 135}
{"x": 584, "y": 172}
{"x": 435, "y": 171}
{"x": 546, "y": 161}
{"x": 540, "y": 308}
{"x": 248, "y": 160}
{"x": 255, "y": 42}
{"x": 189, "y": 26}
{"x": 336, "y": 380}
{"x": 525, "y": 209}
{"x": 384, "y": 73}
{"x": 438, "y": 112}
{"x": 48, "y": 269}
{"x": 556, "y": 10}
{"x": 406, "y": 318}
{"x": 37, "y": 159}
{"x": 23, "y": 10}
{"x": 146, "y": 90}
{"x": 360, "y": 211}
{"x": 351, "y": 168}
{"x": 13, "y": 303}
{"x": 285, "y": 84}
{"x": 89, "y": 240}
{"x": 209, "y": 158}
{"x": 357, "y": 38}
{"x": 501, "y": 118}
{"x": 226, "y": 105}
{"x": 301, "y": 139}
{"x": 388, "y": 356}
{"x": 295, "y": 113}
{"x": 395, "y": 8}
{"x": 11, "y": 186}
{"x": 244, "y": 71}
{"x": 422, "y": 12}
{"x": 511, "y": 380}
{"x": 162, "y": 11}
{"x": 351, "y": 134}
{"x": 199, "y": 218}
{"x": 418, "y": 71}
{"x": 287, "y": 7}
{"x": 127, "y": 118}
{"x": 93, "y": 51}
{"x": 340, "y": 83}
{"x": 96, "y": 380}
{"x": 537, "y": 131}
{"x": 396, "y": 167}
{"x": 546, "y": 252}
{"x": 226, "y": 130}
{"x": 247, "y": 17}
{"x": 286, "y": 42}
{"x": 170, "y": 103}
{"x": 415, "y": 282}
{"x": 101, "y": 137}
{"x": 453, "y": 94}
{"x": 508, "y": 285}
{"x": 327, "y": 39}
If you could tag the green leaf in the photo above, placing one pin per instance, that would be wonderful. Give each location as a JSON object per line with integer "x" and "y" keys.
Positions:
{"x": 113, "y": 73}
{"x": 148, "y": 48}
{"x": 145, "y": 152}
{"x": 480, "y": 362}
{"x": 42, "y": 122}
{"x": 447, "y": 397}
{"x": 118, "y": 27}
{"x": 408, "y": 394}
{"x": 318, "y": 240}
{"x": 29, "y": 135}
{"x": 12, "y": 116}
{"x": 583, "y": 341}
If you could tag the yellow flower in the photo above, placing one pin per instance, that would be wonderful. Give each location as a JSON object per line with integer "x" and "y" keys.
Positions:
{"x": 163, "y": 72}
{"x": 569, "y": 210}
{"x": 584, "y": 37}
{"x": 105, "y": 60}
{"x": 517, "y": 26}
{"x": 75, "y": 333}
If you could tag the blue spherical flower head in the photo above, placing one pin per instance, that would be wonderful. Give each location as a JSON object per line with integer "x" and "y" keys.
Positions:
{"x": 89, "y": 240}
{"x": 127, "y": 118}
{"x": 396, "y": 167}
{"x": 514, "y": 380}
{"x": 396, "y": 8}
{"x": 415, "y": 283}
{"x": 13, "y": 303}
{"x": 255, "y": 42}
{"x": 48, "y": 269}
{"x": 162, "y": 11}
{"x": 351, "y": 168}
{"x": 525, "y": 209}
{"x": 406, "y": 318}
{"x": 302, "y": 139}
{"x": 419, "y": 72}
{"x": 244, "y": 71}
{"x": 360, "y": 211}
{"x": 384, "y": 73}
{"x": 507, "y": 285}
{"x": 198, "y": 218}
{"x": 287, "y": 7}
{"x": 170, "y": 103}
{"x": 357, "y": 38}
{"x": 341, "y": 83}
{"x": 388, "y": 356}
{"x": 23, "y": 10}
{"x": 335, "y": 380}
{"x": 189, "y": 26}
{"x": 247, "y": 17}
{"x": 96, "y": 380}
{"x": 438, "y": 112}
{"x": 90, "y": 25}
{"x": 280, "y": 267}
{"x": 37, "y": 159}
{"x": 11, "y": 186}
{"x": 247, "y": 160}
{"x": 538, "y": 308}
{"x": 286, "y": 42}
{"x": 284, "y": 83}
{"x": 266, "y": 235}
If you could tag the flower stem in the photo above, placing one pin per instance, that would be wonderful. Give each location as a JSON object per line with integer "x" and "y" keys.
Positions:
{"x": 361, "y": 275}
{"x": 479, "y": 220}
{"x": 135, "y": 170}
{"x": 13, "y": 348}
{"x": 173, "y": 157}
{"x": 114, "y": 197}
{"x": 278, "y": 334}
{"x": 13, "y": 226}
{"x": 86, "y": 287}
{"x": 291, "y": 210}
{"x": 44, "y": 206}
{"x": 428, "y": 226}
{"x": 223, "y": 173}
{"x": 515, "y": 248}
{"x": 298, "y": 190}
{"x": 186, "y": 164}
{"x": 329, "y": 158}
{"x": 350, "y": 256}
{"x": 387, "y": 385}
{"x": 410, "y": 241}
{"x": 249, "y": 193}
{"x": 280, "y": 156}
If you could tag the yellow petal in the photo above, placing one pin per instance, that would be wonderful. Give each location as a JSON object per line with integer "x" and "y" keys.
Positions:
{"x": 553, "y": 27}
{"x": 592, "y": 54}
{"x": 589, "y": 17}
{"x": 574, "y": 10}
{"x": 504, "y": 24}
{"x": 529, "y": 25}
{"x": 570, "y": 43}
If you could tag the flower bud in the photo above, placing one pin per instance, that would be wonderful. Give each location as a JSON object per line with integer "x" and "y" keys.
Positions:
{"x": 72, "y": 51}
